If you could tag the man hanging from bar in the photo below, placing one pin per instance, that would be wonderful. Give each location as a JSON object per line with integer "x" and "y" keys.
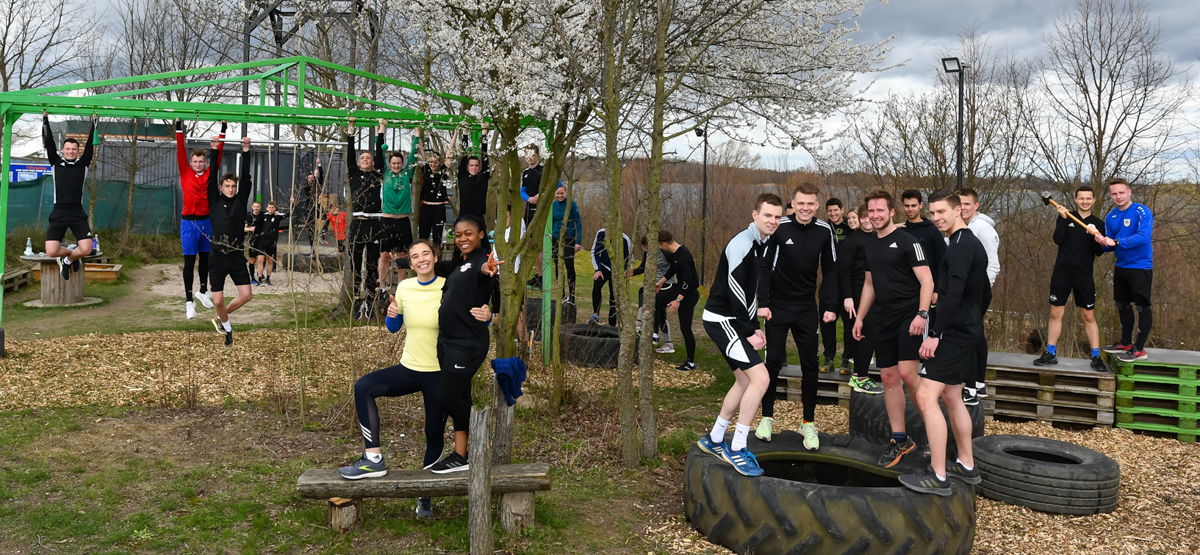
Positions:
{"x": 195, "y": 229}
{"x": 70, "y": 170}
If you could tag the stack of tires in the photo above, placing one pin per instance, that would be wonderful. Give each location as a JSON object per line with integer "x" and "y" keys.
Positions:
{"x": 1047, "y": 475}
{"x": 592, "y": 345}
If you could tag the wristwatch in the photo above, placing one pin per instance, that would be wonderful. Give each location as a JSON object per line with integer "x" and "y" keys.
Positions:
{"x": 934, "y": 334}
{"x": 923, "y": 313}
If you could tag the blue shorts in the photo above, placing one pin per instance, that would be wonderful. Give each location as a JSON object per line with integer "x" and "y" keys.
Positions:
{"x": 195, "y": 236}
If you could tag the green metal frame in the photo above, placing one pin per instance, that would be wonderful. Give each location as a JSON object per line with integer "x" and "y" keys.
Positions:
{"x": 292, "y": 73}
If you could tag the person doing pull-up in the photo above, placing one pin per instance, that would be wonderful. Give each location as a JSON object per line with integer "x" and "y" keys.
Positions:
{"x": 227, "y": 206}
{"x": 195, "y": 228}
{"x": 70, "y": 171}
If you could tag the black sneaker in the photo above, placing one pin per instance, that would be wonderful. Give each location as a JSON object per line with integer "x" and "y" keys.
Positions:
{"x": 955, "y": 469}
{"x": 229, "y": 339}
{"x": 927, "y": 482}
{"x": 76, "y": 265}
{"x": 1098, "y": 365}
{"x": 424, "y": 507}
{"x": 64, "y": 268}
{"x": 1116, "y": 348}
{"x": 368, "y": 310}
{"x": 452, "y": 463}
{"x": 1046, "y": 359}
{"x": 969, "y": 399}
{"x": 358, "y": 309}
{"x": 267, "y": 280}
{"x": 686, "y": 367}
{"x": 894, "y": 451}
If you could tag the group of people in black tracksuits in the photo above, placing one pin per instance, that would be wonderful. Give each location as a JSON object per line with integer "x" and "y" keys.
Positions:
{"x": 771, "y": 270}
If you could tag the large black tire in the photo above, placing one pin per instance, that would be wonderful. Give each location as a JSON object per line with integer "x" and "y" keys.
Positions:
{"x": 852, "y": 506}
{"x": 592, "y": 346}
{"x": 533, "y": 315}
{"x": 1047, "y": 475}
{"x": 869, "y": 421}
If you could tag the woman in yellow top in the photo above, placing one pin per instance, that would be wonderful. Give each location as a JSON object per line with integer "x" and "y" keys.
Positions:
{"x": 419, "y": 298}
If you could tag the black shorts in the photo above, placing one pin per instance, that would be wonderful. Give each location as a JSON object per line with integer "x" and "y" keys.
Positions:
{"x": 265, "y": 246}
{"x": 737, "y": 351}
{"x": 1132, "y": 286}
{"x": 232, "y": 265}
{"x": 953, "y": 362}
{"x": 67, "y": 217}
{"x": 395, "y": 235}
{"x": 889, "y": 334}
{"x": 461, "y": 357}
{"x": 1068, "y": 280}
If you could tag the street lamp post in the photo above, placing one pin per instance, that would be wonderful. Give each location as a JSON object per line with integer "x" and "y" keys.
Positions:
{"x": 952, "y": 65}
{"x": 703, "y": 203}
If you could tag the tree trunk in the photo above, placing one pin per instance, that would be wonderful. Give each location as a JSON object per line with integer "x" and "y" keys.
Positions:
{"x": 615, "y": 244}
{"x": 133, "y": 168}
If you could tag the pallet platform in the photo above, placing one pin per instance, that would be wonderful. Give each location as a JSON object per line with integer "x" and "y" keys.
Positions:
{"x": 1159, "y": 395}
{"x": 832, "y": 387}
{"x": 1160, "y": 387}
{"x": 1068, "y": 392}
{"x": 14, "y": 279}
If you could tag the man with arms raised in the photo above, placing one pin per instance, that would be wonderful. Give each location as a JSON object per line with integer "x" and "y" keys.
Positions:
{"x": 896, "y": 294}
{"x": 962, "y": 292}
{"x": 801, "y": 246}
{"x": 984, "y": 229}
{"x": 1128, "y": 229}
{"x": 70, "y": 171}
{"x": 731, "y": 320}
{"x": 195, "y": 228}
{"x": 1077, "y": 253}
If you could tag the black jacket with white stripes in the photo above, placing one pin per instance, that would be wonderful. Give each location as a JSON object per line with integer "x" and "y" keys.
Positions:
{"x": 795, "y": 253}
{"x": 732, "y": 296}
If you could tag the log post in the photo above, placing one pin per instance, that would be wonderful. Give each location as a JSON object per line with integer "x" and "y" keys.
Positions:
{"x": 345, "y": 514}
{"x": 479, "y": 484}
{"x": 55, "y": 290}
{"x": 516, "y": 512}
{"x": 502, "y": 437}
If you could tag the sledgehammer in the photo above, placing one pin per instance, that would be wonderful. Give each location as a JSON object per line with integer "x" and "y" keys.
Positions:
{"x": 1049, "y": 201}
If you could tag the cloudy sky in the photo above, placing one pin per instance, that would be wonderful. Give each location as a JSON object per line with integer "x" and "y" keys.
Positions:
{"x": 923, "y": 28}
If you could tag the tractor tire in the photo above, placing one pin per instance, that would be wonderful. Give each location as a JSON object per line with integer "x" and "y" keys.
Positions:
{"x": 869, "y": 420}
{"x": 1047, "y": 475}
{"x": 834, "y": 500}
{"x": 592, "y": 346}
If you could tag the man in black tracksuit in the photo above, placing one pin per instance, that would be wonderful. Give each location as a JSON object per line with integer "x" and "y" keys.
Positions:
{"x": 802, "y": 245}
{"x": 227, "y": 198}
{"x": 366, "y": 196}
{"x": 70, "y": 171}
{"x": 841, "y": 230}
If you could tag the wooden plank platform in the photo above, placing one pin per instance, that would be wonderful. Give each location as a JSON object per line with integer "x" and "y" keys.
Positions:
{"x": 832, "y": 387}
{"x": 1140, "y": 400}
{"x": 1054, "y": 413}
{"x": 510, "y": 478}
{"x": 15, "y": 279}
{"x": 1167, "y": 357}
{"x": 1160, "y": 387}
{"x": 1160, "y": 430}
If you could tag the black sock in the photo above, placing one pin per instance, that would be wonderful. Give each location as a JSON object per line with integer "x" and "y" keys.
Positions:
{"x": 900, "y": 437}
{"x": 1145, "y": 321}
{"x": 1126, "y": 314}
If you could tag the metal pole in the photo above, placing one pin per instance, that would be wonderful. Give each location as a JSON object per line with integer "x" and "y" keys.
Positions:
{"x": 246, "y": 28}
{"x": 958, "y": 150}
{"x": 704, "y": 211}
{"x": 5, "y": 166}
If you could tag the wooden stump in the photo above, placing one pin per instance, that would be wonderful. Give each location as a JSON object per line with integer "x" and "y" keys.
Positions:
{"x": 55, "y": 290}
{"x": 345, "y": 514}
{"x": 479, "y": 484}
{"x": 516, "y": 512}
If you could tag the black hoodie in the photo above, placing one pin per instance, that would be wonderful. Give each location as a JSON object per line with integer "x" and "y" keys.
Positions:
{"x": 932, "y": 241}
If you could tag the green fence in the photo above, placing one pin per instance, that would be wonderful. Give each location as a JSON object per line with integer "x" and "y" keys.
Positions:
{"x": 154, "y": 208}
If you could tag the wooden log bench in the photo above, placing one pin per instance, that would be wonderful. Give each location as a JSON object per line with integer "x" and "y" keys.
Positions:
{"x": 515, "y": 482}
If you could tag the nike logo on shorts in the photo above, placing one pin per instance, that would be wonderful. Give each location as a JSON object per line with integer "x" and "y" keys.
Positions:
{"x": 460, "y": 367}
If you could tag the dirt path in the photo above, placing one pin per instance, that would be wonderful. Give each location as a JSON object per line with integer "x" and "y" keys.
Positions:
{"x": 153, "y": 299}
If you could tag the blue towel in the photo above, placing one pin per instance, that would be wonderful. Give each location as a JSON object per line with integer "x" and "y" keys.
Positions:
{"x": 510, "y": 374}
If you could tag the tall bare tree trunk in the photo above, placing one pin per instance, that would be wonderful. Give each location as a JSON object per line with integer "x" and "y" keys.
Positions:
{"x": 133, "y": 169}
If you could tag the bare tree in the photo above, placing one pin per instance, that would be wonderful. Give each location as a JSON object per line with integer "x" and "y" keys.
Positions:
{"x": 1111, "y": 95}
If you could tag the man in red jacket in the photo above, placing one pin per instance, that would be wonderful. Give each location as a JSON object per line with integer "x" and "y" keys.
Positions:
{"x": 195, "y": 229}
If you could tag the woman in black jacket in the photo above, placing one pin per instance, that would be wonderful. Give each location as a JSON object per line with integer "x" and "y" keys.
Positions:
{"x": 852, "y": 274}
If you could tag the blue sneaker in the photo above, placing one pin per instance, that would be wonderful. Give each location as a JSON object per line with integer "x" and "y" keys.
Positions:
{"x": 364, "y": 468}
{"x": 711, "y": 447}
{"x": 743, "y": 461}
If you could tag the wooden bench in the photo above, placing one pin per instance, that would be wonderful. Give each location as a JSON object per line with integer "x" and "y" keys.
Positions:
{"x": 14, "y": 279}
{"x": 515, "y": 482}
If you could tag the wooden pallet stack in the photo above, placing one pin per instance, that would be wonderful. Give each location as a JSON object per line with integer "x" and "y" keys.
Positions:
{"x": 832, "y": 387}
{"x": 14, "y": 279}
{"x": 1159, "y": 394}
{"x": 1069, "y": 392}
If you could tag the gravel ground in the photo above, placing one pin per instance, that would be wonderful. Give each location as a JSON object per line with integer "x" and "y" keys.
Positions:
{"x": 1156, "y": 514}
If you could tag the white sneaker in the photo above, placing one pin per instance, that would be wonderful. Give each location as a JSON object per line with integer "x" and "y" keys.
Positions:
{"x": 204, "y": 299}
{"x": 812, "y": 441}
{"x": 666, "y": 349}
{"x": 191, "y": 310}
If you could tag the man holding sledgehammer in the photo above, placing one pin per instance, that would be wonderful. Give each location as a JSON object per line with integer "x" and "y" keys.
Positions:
{"x": 1077, "y": 253}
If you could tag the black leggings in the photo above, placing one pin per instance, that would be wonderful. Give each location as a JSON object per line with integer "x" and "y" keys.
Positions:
{"x": 431, "y": 222}
{"x": 396, "y": 381}
{"x": 598, "y": 293}
{"x": 687, "y": 310}
{"x": 364, "y": 239}
{"x": 459, "y": 365}
{"x": 829, "y": 334}
{"x": 568, "y": 257}
{"x": 189, "y": 266}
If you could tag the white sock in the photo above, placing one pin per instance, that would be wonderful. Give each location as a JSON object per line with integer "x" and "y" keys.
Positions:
{"x": 980, "y": 385}
{"x": 374, "y": 457}
{"x": 964, "y": 465}
{"x": 718, "y": 431}
{"x": 739, "y": 437}
{"x": 228, "y": 327}
{"x": 970, "y": 390}
{"x": 940, "y": 477}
